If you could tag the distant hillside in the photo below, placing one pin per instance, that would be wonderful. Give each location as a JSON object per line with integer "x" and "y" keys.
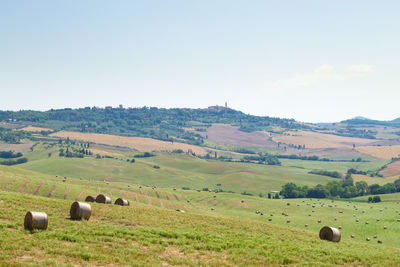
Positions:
{"x": 362, "y": 120}
{"x": 396, "y": 120}
{"x": 159, "y": 123}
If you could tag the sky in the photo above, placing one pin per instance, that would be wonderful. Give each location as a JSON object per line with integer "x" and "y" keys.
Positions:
{"x": 314, "y": 61}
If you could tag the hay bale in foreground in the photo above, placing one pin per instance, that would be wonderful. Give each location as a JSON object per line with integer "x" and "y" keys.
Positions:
{"x": 36, "y": 220}
{"x": 80, "y": 210}
{"x": 330, "y": 234}
{"x": 103, "y": 199}
{"x": 122, "y": 202}
{"x": 90, "y": 199}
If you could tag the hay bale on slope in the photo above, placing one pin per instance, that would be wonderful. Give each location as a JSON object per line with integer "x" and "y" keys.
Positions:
{"x": 122, "y": 202}
{"x": 36, "y": 220}
{"x": 330, "y": 234}
{"x": 90, "y": 199}
{"x": 103, "y": 199}
{"x": 80, "y": 210}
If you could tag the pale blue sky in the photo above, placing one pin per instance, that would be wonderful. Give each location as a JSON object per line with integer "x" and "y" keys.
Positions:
{"x": 308, "y": 60}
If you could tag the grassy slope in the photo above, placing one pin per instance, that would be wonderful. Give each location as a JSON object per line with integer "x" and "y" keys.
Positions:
{"x": 150, "y": 236}
{"x": 13, "y": 179}
{"x": 334, "y": 166}
{"x": 178, "y": 171}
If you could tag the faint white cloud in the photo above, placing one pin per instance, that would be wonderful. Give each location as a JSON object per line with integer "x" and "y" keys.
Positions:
{"x": 323, "y": 73}
{"x": 360, "y": 68}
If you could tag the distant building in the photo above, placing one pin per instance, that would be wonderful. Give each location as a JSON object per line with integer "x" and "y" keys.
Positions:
{"x": 218, "y": 108}
{"x": 120, "y": 106}
{"x": 108, "y": 107}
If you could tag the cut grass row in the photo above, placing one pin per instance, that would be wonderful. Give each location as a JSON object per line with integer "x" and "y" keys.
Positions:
{"x": 138, "y": 235}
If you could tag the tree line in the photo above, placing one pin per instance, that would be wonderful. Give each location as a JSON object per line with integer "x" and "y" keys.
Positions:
{"x": 345, "y": 188}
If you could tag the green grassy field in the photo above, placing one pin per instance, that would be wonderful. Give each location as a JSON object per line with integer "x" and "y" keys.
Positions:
{"x": 212, "y": 229}
{"x": 178, "y": 171}
{"x": 138, "y": 235}
{"x": 341, "y": 167}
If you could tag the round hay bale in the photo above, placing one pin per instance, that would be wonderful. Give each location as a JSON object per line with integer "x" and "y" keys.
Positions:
{"x": 36, "y": 220}
{"x": 90, "y": 199}
{"x": 269, "y": 219}
{"x": 306, "y": 225}
{"x": 80, "y": 210}
{"x": 352, "y": 236}
{"x": 122, "y": 202}
{"x": 330, "y": 234}
{"x": 103, "y": 199}
{"x": 384, "y": 227}
{"x": 379, "y": 242}
{"x": 368, "y": 239}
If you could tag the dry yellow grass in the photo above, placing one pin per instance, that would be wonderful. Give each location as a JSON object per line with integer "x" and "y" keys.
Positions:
{"x": 139, "y": 143}
{"x": 392, "y": 169}
{"x": 34, "y": 129}
{"x": 104, "y": 152}
{"x": 382, "y": 152}
{"x": 319, "y": 140}
{"x": 373, "y": 180}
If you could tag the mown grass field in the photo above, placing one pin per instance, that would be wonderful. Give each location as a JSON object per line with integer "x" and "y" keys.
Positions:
{"x": 175, "y": 171}
{"x": 341, "y": 167}
{"x": 166, "y": 226}
{"x": 139, "y": 235}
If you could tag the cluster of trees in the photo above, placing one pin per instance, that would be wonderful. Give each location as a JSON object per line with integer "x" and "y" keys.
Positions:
{"x": 345, "y": 188}
{"x": 72, "y": 152}
{"x": 12, "y": 158}
{"x": 333, "y": 174}
{"x": 10, "y": 154}
{"x": 263, "y": 159}
{"x": 144, "y": 155}
{"x": 374, "y": 199}
{"x": 370, "y": 173}
{"x": 10, "y": 162}
{"x": 12, "y": 137}
{"x": 352, "y": 132}
{"x": 297, "y": 146}
{"x": 314, "y": 158}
